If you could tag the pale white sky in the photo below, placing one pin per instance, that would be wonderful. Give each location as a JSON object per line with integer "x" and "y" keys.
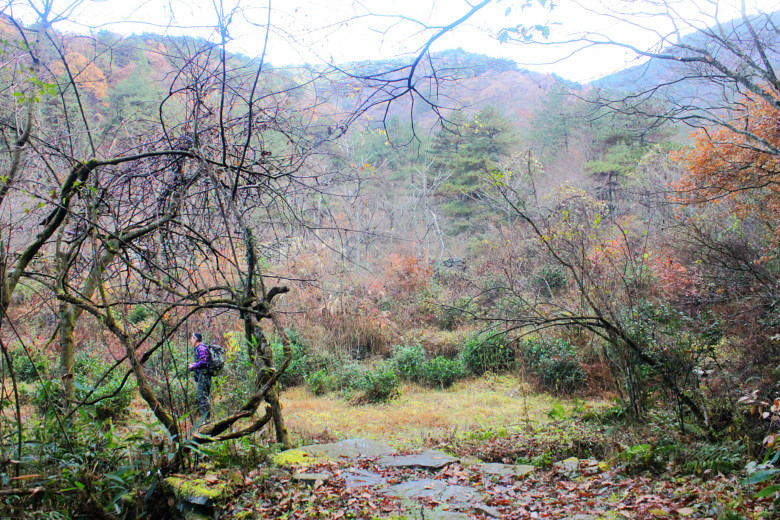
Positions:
{"x": 350, "y": 30}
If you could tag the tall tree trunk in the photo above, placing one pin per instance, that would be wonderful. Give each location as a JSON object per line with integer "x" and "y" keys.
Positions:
{"x": 265, "y": 368}
{"x": 66, "y": 325}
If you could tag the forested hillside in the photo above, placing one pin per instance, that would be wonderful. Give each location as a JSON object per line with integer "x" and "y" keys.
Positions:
{"x": 571, "y": 270}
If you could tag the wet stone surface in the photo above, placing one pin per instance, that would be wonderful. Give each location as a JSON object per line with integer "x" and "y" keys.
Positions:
{"x": 505, "y": 470}
{"x": 490, "y": 512}
{"x": 356, "y": 477}
{"x": 314, "y": 479}
{"x": 431, "y": 459}
{"x": 570, "y": 466}
{"x": 437, "y": 490}
{"x": 350, "y": 448}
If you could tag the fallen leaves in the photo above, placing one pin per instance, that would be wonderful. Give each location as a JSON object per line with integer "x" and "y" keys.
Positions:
{"x": 542, "y": 494}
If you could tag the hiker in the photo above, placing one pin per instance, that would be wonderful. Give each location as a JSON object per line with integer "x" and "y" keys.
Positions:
{"x": 200, "y": 368}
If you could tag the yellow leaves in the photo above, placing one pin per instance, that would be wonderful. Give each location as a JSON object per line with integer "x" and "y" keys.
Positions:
{"x": 366, "y": 166}
{"x": 87, "y": 76}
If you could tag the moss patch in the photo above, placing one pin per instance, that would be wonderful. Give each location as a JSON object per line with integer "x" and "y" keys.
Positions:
{"x": 200, "y": 491}
{"x": 297, "y": 458}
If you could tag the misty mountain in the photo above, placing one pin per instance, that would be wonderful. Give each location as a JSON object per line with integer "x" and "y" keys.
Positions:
{"x": 737, "y": 45}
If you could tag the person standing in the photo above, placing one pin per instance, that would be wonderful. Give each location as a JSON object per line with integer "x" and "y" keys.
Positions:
{"x": 200, "y": 369}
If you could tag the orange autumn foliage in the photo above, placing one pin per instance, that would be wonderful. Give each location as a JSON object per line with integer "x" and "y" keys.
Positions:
{"x": 408, "y": 272}
{"x": 675, "y": 280}
{"x": 85, "y": 73}
{"x": 737, "y": 168}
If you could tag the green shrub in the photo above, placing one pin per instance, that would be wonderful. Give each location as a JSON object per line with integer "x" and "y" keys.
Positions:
{"x": 442, "y": 372}
{"x": 109, "y": 401}
{"x": 724, "y": 457}
{"x": 557, "y": 412}
{"x": 555, "y": 363}
{"x": 408, "y": 361}
{"x": 26, "y": 393}
{"x": 379, "y": 385}
{"x": 139, "y": 313}
{"x": 296, "y": 372}
{"x": 488, "y": 353}
{"x": 319, "y": 360}
{"x": 696, "y": 458}
{"x": 89, "y": 368}
{"x": 319, "y": 382}
{"x": 348, "y": 378}
{"x": 300, "y": 363}
{"x": 372, "y": 385}
{"x": 46, "y": 394}
{"x": 449, "y": 317}
{"x": 27, "y": 370}
{"x": 549, "y": 281}
{"x": 643, "y": 458}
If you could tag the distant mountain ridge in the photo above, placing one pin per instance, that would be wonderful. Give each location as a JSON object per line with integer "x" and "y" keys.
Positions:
{"x": 468, "y": 81}
{"x": 684, "y": 82}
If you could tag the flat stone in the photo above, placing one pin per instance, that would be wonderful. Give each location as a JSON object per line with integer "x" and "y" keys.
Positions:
{"x": 435, "y": 489}
{"x": 438, "y": 514}
{"x": 581, "y": 517}
{"x": 468, "y": 460}
{"x": 312, "y": 478}
{"x": 459, "y": 495}
{"x": 431, "y": 459}
{"x": 349, "y": 448}
{"x": 505, "y": 470}
{"x": 570, "y": 465}
{"x": 415, "y": 489}
{"x": 356, "y": 477}
{"x": 487, "y": 510}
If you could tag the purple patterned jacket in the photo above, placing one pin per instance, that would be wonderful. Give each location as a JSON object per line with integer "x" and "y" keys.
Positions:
{"x": 201, "y": 357}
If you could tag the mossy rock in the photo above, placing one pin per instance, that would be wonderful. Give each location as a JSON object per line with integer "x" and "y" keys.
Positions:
{"x": 208, "y": 491}
{"x": 298, "y": 457}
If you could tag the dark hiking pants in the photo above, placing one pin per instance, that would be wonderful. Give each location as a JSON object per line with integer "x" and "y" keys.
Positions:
{"x": 203, "y": 379}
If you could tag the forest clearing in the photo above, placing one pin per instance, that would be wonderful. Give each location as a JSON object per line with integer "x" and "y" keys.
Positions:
{"x": 504, "y": 259}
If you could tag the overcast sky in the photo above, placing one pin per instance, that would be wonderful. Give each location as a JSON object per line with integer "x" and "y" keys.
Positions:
{"x": 315, "y": 31}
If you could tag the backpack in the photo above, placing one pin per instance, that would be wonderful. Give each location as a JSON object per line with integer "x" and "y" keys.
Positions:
{"x": 216, "y": 359}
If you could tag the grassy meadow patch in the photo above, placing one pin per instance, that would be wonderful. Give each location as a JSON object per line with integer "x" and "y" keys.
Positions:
{"x": 423, "y": 415}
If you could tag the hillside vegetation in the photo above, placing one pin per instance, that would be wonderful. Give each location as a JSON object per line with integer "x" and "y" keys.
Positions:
{"x": 495, "y": 262}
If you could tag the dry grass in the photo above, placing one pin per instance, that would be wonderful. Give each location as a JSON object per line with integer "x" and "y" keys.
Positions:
{"x": 421, "y": 416}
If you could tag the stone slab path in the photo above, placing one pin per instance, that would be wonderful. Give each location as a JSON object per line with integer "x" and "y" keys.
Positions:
{"x": 419, "y": 480}
{"x": 362, "y": 479}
